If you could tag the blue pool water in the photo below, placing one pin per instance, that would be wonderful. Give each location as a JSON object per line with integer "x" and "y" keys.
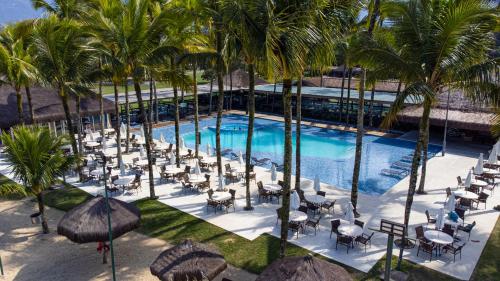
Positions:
{"x": 326, "y": 153}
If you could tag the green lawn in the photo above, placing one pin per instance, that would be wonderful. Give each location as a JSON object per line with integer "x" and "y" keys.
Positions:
{"x": 173, "y": 226}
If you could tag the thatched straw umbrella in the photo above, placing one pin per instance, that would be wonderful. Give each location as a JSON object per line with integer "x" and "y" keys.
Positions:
{"x": 305, "y": 268}
{"x": 88, "y": 221}
{"x": 188, "y": 261}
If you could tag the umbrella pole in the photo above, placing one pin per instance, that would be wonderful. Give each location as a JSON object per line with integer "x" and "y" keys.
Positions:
{"x": 109, "y": 221}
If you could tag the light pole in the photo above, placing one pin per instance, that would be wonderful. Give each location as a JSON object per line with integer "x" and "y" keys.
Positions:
{"x": 108, "y": 212}
{"x": 443, "y": 151}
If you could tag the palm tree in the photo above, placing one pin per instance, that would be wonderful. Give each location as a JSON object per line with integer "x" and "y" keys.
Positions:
{"x": 443, "y": 43}
{"x": 244, "y": 21}
{"x": 36, "y": 159}
{"x": 73, "y": 9}
{"x": 374, "y": 13}
{"x": 291, "y": 27}
{"x": 64, "y": 60}
{"x": 210, "y": 75}
{"x": 17, "y": 62}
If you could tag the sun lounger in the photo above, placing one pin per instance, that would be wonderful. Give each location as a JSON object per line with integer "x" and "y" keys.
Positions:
{"x": 261, "y": 162}
{"x": 394, "y": 173}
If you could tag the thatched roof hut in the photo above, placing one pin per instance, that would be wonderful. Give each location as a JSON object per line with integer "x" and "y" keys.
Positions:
{"x": 305, "y": 268}
{"x": 88, "y": 222}
{"x": 241, "y": 80}
{"x": 188, "y": 261}
{"x": 47, "y": 106}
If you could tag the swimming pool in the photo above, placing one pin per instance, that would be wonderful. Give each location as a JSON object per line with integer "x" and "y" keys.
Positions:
{"x": 325, "y": 152}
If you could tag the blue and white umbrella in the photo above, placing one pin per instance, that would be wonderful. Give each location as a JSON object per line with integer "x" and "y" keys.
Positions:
{"x": 468, "y": 180}
{"x": 162, "y": 138}
{"x": 240, "y": 158}
{"x": 142, "y": 131}
{"x": 197, "y": 169}
{"x": 440, "y": 219}
{"x": 123, "y": 129}
{"x": 122, "y": 169}
{"x": 493, "y": 159}
{"x": 273, "y": 173}
{"x": 478, "y": 169}
{"x": 181, "y": 143}
{"x": 317, "y": 186}
{"x": 209, "y": 150}
{"x": 104, "y": 145}
{"x": 294, "y": 200}
{"x": 349, "y": 213}
{"x": 450, "y": 203}
{"x": 142, "y": 152}
{"x": 221, "y": 183}
{"x": 171, "y": 158}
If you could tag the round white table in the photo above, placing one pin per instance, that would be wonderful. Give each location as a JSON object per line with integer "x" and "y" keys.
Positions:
{"x": 160, "y": 147}
{"x": 273, "y": 187}
{"x": 479, "y": 183}
{"x": 316, "y": 199}
{"x": 109, "y": 131}
{"x": 92, "y": 144}
{"x": 97, "y": 173}
{"x": 142, "y": 163}
{"x": 297, "y": 216}
{"x": 123, "y": 181}
{"x": 221, "y": 196}
{"x": 491, "y": 171}
{"x": 208, "y": 160}
{"x": 173, "y": 170}
{"x": 466, "y": 194}
{"x": 197, "y": 179}
{"x": 351, "y": 230}
{"x": 438, "y": 237}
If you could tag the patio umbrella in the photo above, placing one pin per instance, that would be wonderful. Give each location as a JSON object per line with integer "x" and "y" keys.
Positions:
{"x": 273, "y": 173}
{"x": 497, "y": 147}
{"x": 240, "y": 158}
{"x": 182, "y": 145}
{"x": 450, "y": 203}
{"x": 349, "y": 213}
{"x": 221, "y": 183}
{"x": 142, "y": 131}
{"x": 306, "y": 268}
{"x": 141, "y": 152}
{"x": 294, "y": 200}
{"x": 108, "y": 124}
{"x": 468, "y": 180}
{"x": 104, "y": 145}
{"x": 197, "y": 169}
{"x": 91, "y": 135}
{"x": 440, "y": 219}
{"x": 316, "y": 183}
{"x": 209, "y": 150}
{"x": 478, "y": 169}
{"x": 122, "y": 168}
{"x": 123, "y": 129}
{"x": 493, "y": 156}
{"x": 162, "y": 138}
{"x": 171, "y": 158}
{"x": 88, "y": 222}
{"x": 188, "y": 261}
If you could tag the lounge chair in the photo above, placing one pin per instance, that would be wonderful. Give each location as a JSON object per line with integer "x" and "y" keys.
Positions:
{"x": 279, "y": 167}
{"x": 261, "y": 162}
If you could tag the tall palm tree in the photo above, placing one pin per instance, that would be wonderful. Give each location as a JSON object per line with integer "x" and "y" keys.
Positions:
{"x": 64, "y": 61}
{"x": 244, "y": 19}
{"x": 291, "y": 27}
{"x": 444, "y": 43}
{"x": 17, "y": 65}
{"x": 37, "y": 160}
{"x": 374, "y": 13}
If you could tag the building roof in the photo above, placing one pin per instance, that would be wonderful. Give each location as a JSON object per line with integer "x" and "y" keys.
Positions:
{"x": 47, "y": 106}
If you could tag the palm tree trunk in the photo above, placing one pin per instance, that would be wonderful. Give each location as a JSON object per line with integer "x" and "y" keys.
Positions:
{"x": 359, "y": 143}
{"x": 71, "y": 129}
{"x": 297, "y": 134}
{"x": 41, "y": 209}
{"x": 230, "y": 91}
{"x": 425, "y": 149}
{"x": 399, "y": 87}
{"x": 287, "y": 170}
{"x": 101, "y": 108}
{"x": 251, "y": 118}
{"x": 157, "y": 118}
{"x": 144, "y": 117}
{"x": 127, "y": 117}
{"x": 349, "y": 79}
{"x": 210, "y": 97}
{"x": 19, "y": 100}
{"x": 117, "y": 125}
{"x": 78, "y": 124}
{"x": 371, "y": 105}
{"x": 196, "y": 117}
{"x": 321, "y": 77}
{"x": 342, "y": 94}
{"x": 151, "y": 109}
{"x": 30, "y": 104}
{"x": 220, "y": 96}
{"x": 176, "y": 104}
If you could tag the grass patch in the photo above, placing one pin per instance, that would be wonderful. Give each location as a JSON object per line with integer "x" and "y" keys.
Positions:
{"x": 167, "y": 223}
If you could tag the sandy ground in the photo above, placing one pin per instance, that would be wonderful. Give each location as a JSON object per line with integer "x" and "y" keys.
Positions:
{"x": 27, "y": 254}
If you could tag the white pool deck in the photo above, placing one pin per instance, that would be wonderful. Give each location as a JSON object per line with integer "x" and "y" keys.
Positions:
{"x": 441, "y": 173}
